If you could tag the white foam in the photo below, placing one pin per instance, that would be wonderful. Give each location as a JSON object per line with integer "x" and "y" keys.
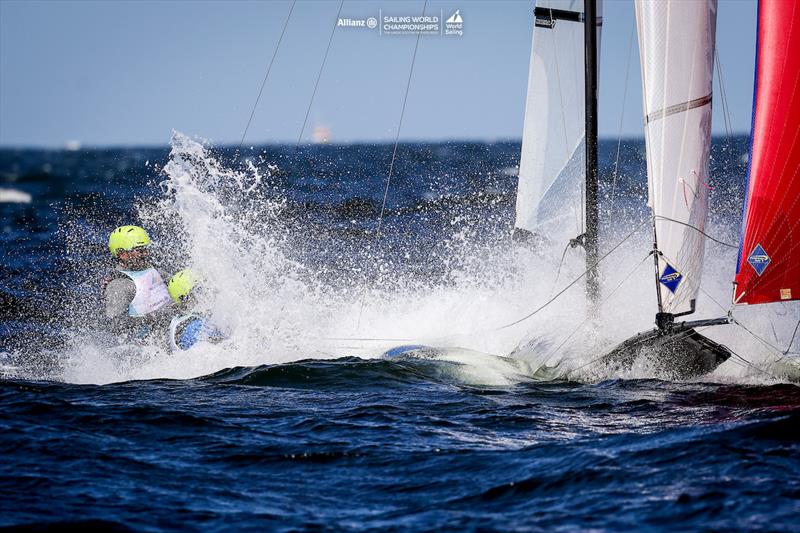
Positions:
{"x": 14, "y": 196}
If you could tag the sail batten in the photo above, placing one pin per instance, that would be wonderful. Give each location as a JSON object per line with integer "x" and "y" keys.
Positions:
{"x": 768, "y": 268}
{"x": 676, "y": 42}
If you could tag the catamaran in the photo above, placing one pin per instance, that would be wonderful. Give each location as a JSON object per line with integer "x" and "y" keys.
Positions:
{"x": 676, "y": 42}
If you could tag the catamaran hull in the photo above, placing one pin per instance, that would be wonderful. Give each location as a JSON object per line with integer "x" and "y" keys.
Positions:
{"x": 675, "y": 355}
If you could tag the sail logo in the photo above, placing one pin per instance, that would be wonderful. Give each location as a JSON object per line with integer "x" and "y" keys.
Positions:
{"x": 759, "y": 259}
{"x": 671, "y": 278}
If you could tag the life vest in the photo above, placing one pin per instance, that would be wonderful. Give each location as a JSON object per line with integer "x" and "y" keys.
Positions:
{"x": 151, "y": 292}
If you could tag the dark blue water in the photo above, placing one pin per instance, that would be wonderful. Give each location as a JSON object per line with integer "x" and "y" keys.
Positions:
{"x": 352, "y": 443}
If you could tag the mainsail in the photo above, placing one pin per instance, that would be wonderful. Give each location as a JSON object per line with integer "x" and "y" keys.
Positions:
{"x": 768, "y": 269}
{"x": 553, "y": 155}
{"x": 676, "y": 42}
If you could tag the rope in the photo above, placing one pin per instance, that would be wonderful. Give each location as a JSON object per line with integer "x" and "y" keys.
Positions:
{"x": 573, "y": 282}
{"x": 762, "y": 340}
{"x": 745, "y": 362}
{"x": 391, "y": 165}
{"x": 558, "y": 272}
{"x": 526, "y": 317}
{"x": 698, "y": 230}
{"x": 588, "y": 318}
{"x": 791, "y": 341}
{"x": 266, "y": 75}
{"x": 725, "y": 108}
{"x": 319, "y": 75}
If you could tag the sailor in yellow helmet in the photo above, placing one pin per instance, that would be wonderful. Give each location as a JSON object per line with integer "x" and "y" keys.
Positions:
{"x": 135, "y": 297}
{"x": 190, "y": 326}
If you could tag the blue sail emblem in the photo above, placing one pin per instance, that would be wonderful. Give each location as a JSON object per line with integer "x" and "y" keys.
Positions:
{"x": 759, "y": 259}
{"x": 671, "y": 278}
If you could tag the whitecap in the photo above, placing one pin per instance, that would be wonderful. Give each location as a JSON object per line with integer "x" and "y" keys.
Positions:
{"x": 14, "y": 196}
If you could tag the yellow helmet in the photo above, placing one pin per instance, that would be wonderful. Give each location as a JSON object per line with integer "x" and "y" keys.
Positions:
{"x": 181, "y": 284}
{"x": 127, "y": 238}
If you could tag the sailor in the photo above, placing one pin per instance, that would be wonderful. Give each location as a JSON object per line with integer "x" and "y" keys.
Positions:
{"x": 135, "y": 297}
{"x": 190, "y": 326}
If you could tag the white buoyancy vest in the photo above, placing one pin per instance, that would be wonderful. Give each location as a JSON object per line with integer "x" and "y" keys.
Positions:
{"x": 173, "y": 330}
{"x": 151, "y": 292}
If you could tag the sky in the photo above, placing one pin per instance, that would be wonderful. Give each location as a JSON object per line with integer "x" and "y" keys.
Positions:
{"x": 130, "y": 72}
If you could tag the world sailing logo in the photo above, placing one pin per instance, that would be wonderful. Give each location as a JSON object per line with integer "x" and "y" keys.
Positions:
{"x": 759, "y": 259}
{"x": 456, "y": 18}
{"x": 671, "y": 278}
{"x": 455, "y": 24}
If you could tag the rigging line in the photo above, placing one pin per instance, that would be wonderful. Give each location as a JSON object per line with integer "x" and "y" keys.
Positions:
{"x": 558, "y": 272}
{"x": 791, "y": 341}
{"x": 573, "y": 282}
{"x": 498, "y": 328}
{"x": 391, "y": 164}
{"x": 266, "y": 75}
{"x": 698, "y": 230}
{"x": 762, "y": 340}
{"x": 725, "y": 108}
{"x": 319, "y": 75}
{"x": 741, "y": 360}
{"x": 621, "y": 116}
{"x": 588, "y": 318}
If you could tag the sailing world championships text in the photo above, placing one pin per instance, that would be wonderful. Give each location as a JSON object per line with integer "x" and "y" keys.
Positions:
{"x": 410, "y": 24}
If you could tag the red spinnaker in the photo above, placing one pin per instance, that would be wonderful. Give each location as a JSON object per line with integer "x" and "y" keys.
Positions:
{"x": 769, "y": 254}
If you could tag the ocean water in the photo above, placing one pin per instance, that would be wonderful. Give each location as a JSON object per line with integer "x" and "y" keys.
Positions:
{"x": 297, "y": 422}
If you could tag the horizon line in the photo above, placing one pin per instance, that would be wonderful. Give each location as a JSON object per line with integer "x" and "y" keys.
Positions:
{"x": 77, "y": 146}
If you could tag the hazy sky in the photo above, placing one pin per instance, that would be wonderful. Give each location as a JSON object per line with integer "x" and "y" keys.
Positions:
{"x": 122, "y": 73}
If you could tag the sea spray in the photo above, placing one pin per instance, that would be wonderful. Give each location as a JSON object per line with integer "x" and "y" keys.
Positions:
{"x": 220, "y": 222}
{"x": 289, "y": 281}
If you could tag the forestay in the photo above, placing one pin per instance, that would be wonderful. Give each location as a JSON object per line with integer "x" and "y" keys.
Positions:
{"x": 553, "y": 157}
{"x": 676, "y": 43}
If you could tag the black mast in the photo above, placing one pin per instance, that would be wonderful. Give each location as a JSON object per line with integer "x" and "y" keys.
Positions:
{"x": 590, "y": 63}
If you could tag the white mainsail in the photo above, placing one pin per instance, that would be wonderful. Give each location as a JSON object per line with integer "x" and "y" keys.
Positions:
{"x": 676, "y": 45}
{"x": 553, "y": 155}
